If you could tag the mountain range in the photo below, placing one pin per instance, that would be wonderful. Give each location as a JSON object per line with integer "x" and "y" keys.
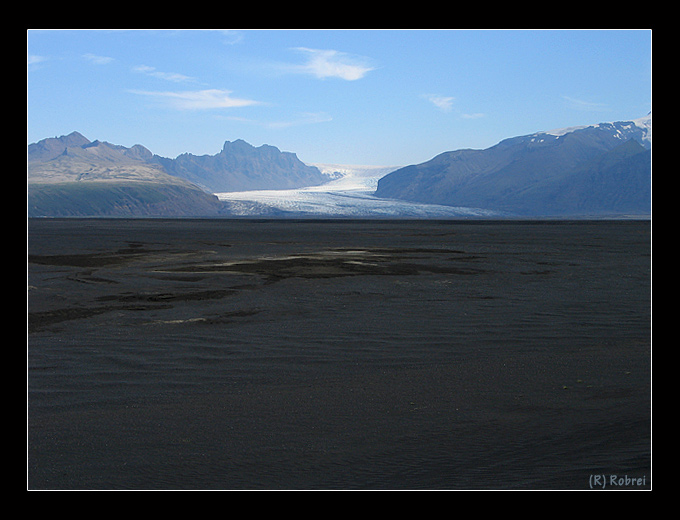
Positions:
{"x": 73, "y": 176}
{"x": 596, "y": 170}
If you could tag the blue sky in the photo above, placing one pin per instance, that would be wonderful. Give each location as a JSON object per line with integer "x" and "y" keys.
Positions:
{"x": 382, "y": 97}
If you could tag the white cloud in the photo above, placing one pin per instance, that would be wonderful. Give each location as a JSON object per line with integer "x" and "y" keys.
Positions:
{"x": 98, "y": 60}
{"x": 169, "y": 76}
{"x": 198, "y": 99}
{"x": 332, "y": 64}
{"x": 443, "y": 103}
{"x": 589, "y": 106}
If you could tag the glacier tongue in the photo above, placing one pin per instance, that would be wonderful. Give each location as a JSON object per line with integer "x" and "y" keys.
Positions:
{"x": 349, "y": 194}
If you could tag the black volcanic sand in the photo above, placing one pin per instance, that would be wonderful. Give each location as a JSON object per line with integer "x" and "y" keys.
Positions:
{"x": 236, "y": 354}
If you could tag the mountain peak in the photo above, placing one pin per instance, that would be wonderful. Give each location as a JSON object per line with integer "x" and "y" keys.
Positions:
{"x": 241, "y": 166}
{"x": 237, "y": 145}
{"x": 74, "y": 139}
{"x": 52, "y": 147}
{"x": 241, "y": 146}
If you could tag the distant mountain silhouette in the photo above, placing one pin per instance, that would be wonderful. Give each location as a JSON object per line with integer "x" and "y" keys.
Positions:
{"x": 243, "y": 167}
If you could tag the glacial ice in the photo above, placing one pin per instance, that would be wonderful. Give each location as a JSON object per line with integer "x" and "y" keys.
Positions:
{"x": 349, "y": 194}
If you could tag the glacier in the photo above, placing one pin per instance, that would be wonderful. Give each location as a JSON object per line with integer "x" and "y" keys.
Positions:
{"x": 348, "y": 194}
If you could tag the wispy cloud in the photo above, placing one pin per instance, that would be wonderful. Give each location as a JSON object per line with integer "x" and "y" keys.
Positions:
{"x": 306, "y": 118}
{"x": 580, "y": 104}
{"x": 230, "y": 36}
{"x": 443, "y": 103}
{"x": 33, "y": 59}
{"x": 198, "y": 99}
{"x": 324, "y": 64}
{"x": 169, "y": 76}
{"x": 98, "y": 60}
{"x": 476, "y": 115}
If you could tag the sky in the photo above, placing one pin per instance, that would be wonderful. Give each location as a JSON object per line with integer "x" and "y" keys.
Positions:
{"x": 361, "y": 97}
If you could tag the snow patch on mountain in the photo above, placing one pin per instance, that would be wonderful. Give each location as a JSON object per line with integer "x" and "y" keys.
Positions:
{"x": 559, "y": 132}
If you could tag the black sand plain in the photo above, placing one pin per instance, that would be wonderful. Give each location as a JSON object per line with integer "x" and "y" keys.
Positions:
{"x": 387, "y": 355}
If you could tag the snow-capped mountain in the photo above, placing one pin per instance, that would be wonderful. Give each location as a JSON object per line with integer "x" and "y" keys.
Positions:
{"x": 639, "y": 129}
{"x": 602, "y": 169}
